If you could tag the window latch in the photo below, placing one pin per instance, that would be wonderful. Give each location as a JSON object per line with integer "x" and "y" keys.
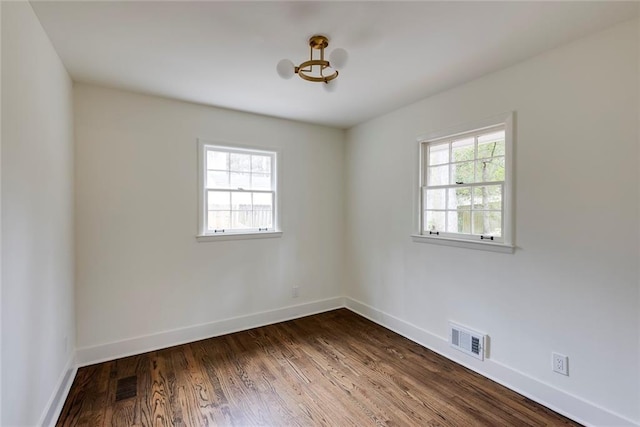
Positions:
{"x": 437, "y": 233}
{"x": 486, "y": 237}
{"x": 219, "y": 231}
{"x": 459, "y": 182}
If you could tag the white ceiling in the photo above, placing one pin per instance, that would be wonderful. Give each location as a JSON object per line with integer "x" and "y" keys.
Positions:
{"x": 224, "y": 53}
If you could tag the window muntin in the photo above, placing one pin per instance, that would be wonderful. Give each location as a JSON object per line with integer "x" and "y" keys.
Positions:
{"x": 463, "y": 185}
{"x": 239, "y": 190}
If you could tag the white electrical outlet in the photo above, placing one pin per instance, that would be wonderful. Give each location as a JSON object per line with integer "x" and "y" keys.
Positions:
{"x": 295, "y": 291}
{"x": 560, "y": 363}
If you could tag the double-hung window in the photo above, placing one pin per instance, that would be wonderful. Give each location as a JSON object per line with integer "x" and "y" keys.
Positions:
{"x": 238, "y": 191}
{"x": 465, "y": 185}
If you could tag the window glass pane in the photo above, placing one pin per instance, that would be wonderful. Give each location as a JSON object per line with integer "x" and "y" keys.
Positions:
{"x": 217, "y": 179}
{"x": 241, "y": 201}
{"x": 228, "y": 171}
{"x": 217, "y": 160}
{"x": 218, "y": 220}
{"x": 459, "y": 198}
{"x": 438, "y": 154}
{"x": 487, "y": 197}
{"x": 462, "y": 173}
{"x": 435, "y": 199}
{"x": 218, "y": 200}
{"x": 463, "y": 149}
{"x": 438, "y": 175}
{"x": 242, "y": 219}
{"x": 491, "y": 144}
{"x": 487, "y": 223}
{"x": 490, "y": 169}
{"x": 261, "y": 164}
{"x": 262, "y": 219}
{"x": 461, "y": 165}
{"x": 262, "y": 201}
{"x": 261, "y": 181}
{"x": 459, "y": 222}
{"x": 434, "y": 221}
{"x": 240, "y": 162}
{"x": 240, "y": 180}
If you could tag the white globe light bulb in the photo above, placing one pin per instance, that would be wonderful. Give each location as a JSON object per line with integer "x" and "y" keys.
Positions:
{"x": 331, "y": 85}
{"x": 338, "y": 58}
{"x": 285, "y": 69}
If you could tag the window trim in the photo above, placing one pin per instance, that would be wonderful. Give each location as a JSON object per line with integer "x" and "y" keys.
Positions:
{"x": 201, "y": 234}
{"x": 507, "y": 245}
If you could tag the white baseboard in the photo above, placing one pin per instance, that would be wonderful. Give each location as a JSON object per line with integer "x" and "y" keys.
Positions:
{"x": 56, "y": 401}
{"x": 560, "y": 401}
{"x": 105, "y": 352}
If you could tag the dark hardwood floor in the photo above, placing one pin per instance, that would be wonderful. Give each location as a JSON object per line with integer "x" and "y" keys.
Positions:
{"x": 334, "y": 369}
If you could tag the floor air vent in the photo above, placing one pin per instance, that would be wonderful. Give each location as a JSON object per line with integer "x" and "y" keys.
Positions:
{"x": 126, "y": 388}
{"x": 467, "y": 341}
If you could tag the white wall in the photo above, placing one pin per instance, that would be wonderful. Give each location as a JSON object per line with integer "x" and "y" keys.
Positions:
{"x": 37, "y": 219}
{"x": 140, "y": 270}
{"x": 572, "y": 285}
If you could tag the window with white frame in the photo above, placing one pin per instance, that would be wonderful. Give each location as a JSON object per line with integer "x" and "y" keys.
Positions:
{"x": 466, "y": 185}
{"x": 238, "y": 190}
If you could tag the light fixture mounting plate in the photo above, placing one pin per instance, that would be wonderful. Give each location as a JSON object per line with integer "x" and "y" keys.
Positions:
{"x": 318, "y": 42}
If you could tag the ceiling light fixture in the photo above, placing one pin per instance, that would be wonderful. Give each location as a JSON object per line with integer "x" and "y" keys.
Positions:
{"x": 314, "y": 70}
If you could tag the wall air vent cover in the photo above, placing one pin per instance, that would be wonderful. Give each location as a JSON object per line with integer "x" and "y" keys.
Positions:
{"x": 467, "y": 340}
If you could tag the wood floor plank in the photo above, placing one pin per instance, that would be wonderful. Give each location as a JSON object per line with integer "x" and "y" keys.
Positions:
{"x": 334, "y": 368}
{"x": 158, "y": 396}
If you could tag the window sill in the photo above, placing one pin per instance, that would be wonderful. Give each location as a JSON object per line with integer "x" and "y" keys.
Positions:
{"x": 238, "y": 236}
{"x": 459, "y": 243}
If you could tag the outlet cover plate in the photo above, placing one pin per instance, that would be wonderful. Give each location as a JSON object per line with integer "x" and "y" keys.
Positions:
{"x": 560, "y": 363}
